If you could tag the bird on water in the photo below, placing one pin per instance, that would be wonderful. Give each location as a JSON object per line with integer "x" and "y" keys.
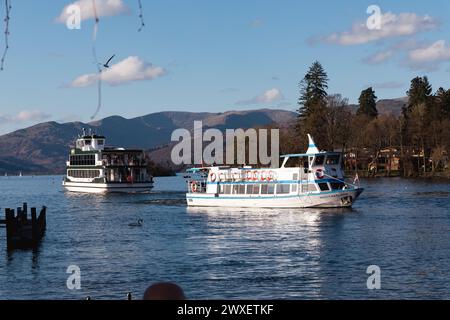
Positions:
{"x": 137, "y": 224}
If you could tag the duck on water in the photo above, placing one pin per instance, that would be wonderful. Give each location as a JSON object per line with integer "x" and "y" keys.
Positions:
{"x": 304, "y": 180}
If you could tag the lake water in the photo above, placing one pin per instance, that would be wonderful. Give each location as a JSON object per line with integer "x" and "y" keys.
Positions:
{"x": 403, "y": 226}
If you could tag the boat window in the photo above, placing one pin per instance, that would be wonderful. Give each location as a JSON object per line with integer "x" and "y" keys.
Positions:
{"x": 249, "y": 189}
{"x": 84, "y": 173}
{"x": 264, "y": 188}
{"x": 333, "y": 159}
{"x": 242, "y": 189}
{"x": 256, "y": 189}
{"x": 319, "y": 160}
{"x": 323, "y": 186}
{"x": 235, "y": 189}
{"x": 270, "y": 189}
{"x": 227, "y": 189}
{"x": 293, "y": 187}
{"x": 337, "y": 185}
{"x": 101, "y": 142}
{"x": 87, "y": 142}
{"x": 82, "y": 160}
{"x": 283, "y": 188}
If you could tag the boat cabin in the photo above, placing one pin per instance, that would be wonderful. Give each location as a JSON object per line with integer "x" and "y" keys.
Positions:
{"x": 313, "y": 171}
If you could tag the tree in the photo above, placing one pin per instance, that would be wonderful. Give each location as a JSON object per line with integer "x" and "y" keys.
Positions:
{"x": 368, "y": 103}
{"x": 419, "y": 92}
{"x": 338, "y": 122}
{"x": 419, "y": 116}
{"x": 312, "y": 102}
{"x": 443, "y": 103}
{"x": 312, "y": 90}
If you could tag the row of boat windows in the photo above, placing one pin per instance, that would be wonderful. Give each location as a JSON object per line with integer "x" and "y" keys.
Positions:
{"x": 258, "y": 188}
{"x": 319, "y": 160}
{"x": 84, "y": 173}
{"x": 281, "y": 188}
{"x": 83, "y": 160}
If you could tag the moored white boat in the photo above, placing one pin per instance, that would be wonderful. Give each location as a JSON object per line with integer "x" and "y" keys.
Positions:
{"x": 312, "y": 179}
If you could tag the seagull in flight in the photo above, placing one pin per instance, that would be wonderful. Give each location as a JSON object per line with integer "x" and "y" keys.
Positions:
{"x": 106, "y": 65}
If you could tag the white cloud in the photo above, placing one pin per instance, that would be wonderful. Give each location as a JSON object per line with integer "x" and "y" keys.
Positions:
{"x": 268, "y": 96}
{"x": 25, "y": 116}
{"x": 436, "y": 52}
{"x": 127, "y": 70}
{"x": 392, "y": 25}
{"x": 104, "y": 8}
{"x": 379, "y": 57}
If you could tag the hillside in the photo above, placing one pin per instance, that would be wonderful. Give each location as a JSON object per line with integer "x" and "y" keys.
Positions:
{"x": 43, "y": 148}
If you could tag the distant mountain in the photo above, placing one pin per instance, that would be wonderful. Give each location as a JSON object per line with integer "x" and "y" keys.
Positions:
{"x": 387, "y": 106}
{"x": 43, "y": 148}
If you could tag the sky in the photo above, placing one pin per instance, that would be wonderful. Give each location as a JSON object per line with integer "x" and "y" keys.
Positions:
{"x": 211, "y": 55}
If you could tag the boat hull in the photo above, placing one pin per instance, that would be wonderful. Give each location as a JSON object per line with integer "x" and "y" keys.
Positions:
{"x": 332, "y": 199}
{"x": 107, "y": 187}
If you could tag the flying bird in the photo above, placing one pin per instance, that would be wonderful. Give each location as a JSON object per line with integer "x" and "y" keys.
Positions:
{"x": 106, "y": 65}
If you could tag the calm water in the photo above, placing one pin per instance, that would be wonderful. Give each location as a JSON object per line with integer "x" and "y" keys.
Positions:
{"x": 403, "y": 226}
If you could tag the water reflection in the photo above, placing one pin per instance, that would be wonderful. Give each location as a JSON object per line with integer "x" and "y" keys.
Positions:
{"x": 281, "y": 248}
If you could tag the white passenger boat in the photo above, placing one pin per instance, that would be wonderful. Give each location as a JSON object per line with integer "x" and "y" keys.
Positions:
{"x": 94, "y": 168}
{"x": 312, "y": 179}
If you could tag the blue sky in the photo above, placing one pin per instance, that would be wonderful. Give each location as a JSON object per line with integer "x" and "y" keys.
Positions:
{"x": 211, "y": 55}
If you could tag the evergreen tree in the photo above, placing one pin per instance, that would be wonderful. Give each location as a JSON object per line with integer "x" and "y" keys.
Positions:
{"x": 313, "y": 104}
{"x": 419, "y": 116}
{"x": 419, "y": 92}
{"x": 313, "y": 88}
{"x": 443, "y": 103}
{"x": 368, "y": 103}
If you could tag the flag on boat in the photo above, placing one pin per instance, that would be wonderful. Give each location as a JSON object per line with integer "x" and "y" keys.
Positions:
{"x": 356, "y": 180}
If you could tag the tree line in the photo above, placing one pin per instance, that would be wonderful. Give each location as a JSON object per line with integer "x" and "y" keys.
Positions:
{"x": 419, "y": 137}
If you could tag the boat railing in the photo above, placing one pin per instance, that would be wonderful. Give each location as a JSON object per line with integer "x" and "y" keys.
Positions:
{"x": 341, "y": 180}
{"x": 197, "y": 186}
{"x": 130, "y": 163}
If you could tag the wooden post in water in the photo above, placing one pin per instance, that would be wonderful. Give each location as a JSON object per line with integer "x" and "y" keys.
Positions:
{"x": 34, "y": 227}
{"x": 22, "y": 232}
{"x": 9, "y": 217}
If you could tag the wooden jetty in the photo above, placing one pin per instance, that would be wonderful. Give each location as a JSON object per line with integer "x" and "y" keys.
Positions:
{"x": 22, "y": 232}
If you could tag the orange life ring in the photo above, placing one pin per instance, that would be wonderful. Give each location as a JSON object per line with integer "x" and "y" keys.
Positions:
{"x": 248, "y": 175}
{"x": 319, "y": 174}
{"x": 255, "y": 175}
{"x": 271, "y": 176}
{"x": 213, "y": 177}
{"x": 194, "y": 186}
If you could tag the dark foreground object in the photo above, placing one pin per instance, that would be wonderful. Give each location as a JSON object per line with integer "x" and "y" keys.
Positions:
{"x": 22, "y": 232}
{"x": 164, "y": 291}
